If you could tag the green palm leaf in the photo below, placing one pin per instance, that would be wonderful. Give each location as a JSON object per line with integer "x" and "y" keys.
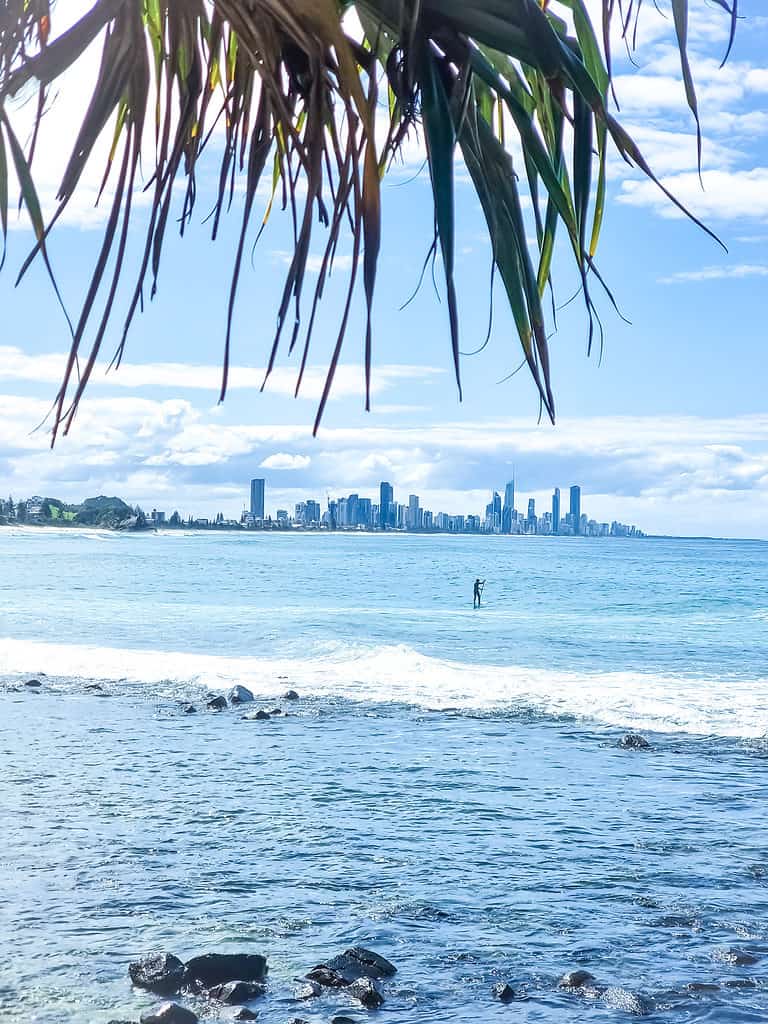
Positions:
{"x": 297, "y": 93}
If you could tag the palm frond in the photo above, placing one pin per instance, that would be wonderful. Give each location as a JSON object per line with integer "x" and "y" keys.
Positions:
{"x": 295, "y": 85}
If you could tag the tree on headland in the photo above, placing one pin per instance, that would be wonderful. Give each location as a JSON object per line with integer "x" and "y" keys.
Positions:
{"x": 315, "y": 98}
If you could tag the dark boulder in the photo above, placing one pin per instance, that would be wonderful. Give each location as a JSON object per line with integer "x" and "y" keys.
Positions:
{"x": 375, "y": 965}
{"x": 503, "y": 992}
{"x": 634, "y": 741}
{"x": 257, "y": 716}
{"x": 168, "y": 1013}
{"x": 326, "y": 977}
{"x": 576, "y": 979}
{"x": 218, "y": 968}
{"x": 189, "y": 709}
{"x": 94, "y": 686}
{"x": 290, "y": 695}
{"x": 161, "y": 973}
{"x": 343, "y": 1020}
{"x": 366, "y": 992}
{"x": 702, "y": 986}
{"x": 33, "y": 683}
{"x": 351, "y": 965}
{"x": 216, "y": 703}
{"x": 240, "y": 695}
{"x": 276, "y": 711}
{"x": 235, "y": 993}
{"x": 246, "y": 1014}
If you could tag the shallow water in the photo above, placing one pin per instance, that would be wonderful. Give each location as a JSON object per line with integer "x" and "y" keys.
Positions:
{"x": 448, "y": 790}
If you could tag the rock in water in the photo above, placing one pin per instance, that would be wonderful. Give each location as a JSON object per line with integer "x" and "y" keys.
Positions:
{"x": 503, "y": 992}
{"x": 235, "y": 993}
{"x": 351, "y": 965}
{"x": 240, "y": 695}
{"x": 216, "y": 703}
{"x": 366, "y": 992}
{"x": 162, "y": 973}
{"x": 326, "y": 977}
{"x": 290, "y": 695}
{"x": 576, "y": 979}
{"x": 168, "y": 1013}
{"x": 375, "y": 965}
{"x": 33, "y": 683}
{"x": 219, "y": 968}
{"x": 257, "y": 716}
{"x": 246, "y": 1014}
{"x": 634, "y": 741}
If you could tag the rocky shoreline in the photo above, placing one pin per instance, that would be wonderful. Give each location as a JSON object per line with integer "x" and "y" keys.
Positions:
{"x": 235, "y": 987}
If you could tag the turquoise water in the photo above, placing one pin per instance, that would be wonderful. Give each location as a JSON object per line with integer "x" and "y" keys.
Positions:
{"x": 448, "y": 790}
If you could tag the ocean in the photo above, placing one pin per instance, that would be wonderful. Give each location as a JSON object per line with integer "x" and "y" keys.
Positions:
{"x": 449, "y": 790}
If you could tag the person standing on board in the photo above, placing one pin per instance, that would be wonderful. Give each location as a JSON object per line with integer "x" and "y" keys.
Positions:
{"x": 478, "y": 592}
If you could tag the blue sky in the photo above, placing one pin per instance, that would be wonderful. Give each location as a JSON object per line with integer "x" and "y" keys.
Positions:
{"x": 669, "y": 430}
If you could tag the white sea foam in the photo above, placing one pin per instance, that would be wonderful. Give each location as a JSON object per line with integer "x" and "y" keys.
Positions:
{"x": 627, "y": 700}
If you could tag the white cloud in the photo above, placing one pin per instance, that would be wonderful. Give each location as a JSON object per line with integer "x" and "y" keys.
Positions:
{"x": 738, "y": 271}
{"x": 282, "y": 460}
{"x": 48, "y": 368}
{"x": 725, "y": 195}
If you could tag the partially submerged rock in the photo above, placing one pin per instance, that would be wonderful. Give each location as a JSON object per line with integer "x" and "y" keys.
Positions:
{"x": 634, "y": 741}
{"x": 217, "y": 703}
{"x": 290, "y": 695}
{"x": 503, "y": 992}
{"x": 33, "y": 683}
{"x": 235, "y": 993}
{"x": 245, "y": 1014}
{"x": 169, "y": 1013}
{"x": 240, "y": 695}
{"x": 257, "y": 716}
{"x": 366, "y": 992}
{"x": 161, "y": 973}
{"x": 576, "y": 979}
{"x": 218, "y": 968}
{"x": 351, "y": 965}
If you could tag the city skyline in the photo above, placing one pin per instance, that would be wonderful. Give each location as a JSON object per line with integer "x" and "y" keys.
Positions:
{"x": 356, "y": 511}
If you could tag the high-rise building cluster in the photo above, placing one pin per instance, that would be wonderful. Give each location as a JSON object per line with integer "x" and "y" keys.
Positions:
{"x": 354, "y": 512}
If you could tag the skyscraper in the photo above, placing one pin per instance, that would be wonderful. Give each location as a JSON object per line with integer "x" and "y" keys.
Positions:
{"x": 497, "y": 509}
{"x": 509, "y": 507}
{"x": 532, "y": 514}
{"x": 576, "y": 508}
{"x": 556, "y": 511}
{"x": 413, "y": 522}
{"x": 386, "y": 497}
{"x": 257, "y": 499}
